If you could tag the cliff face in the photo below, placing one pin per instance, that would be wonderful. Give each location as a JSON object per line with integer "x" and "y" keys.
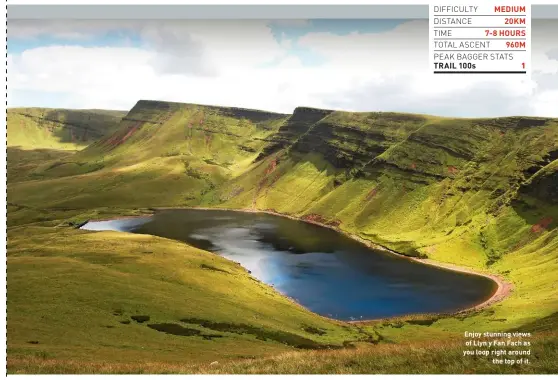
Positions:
{"x": 351, "y": 141}
{"x": 300, "y": 122}
{"x": 543, "y": 183}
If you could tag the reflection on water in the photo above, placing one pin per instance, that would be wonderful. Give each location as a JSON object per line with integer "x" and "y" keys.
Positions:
{"x": 122, "y": 225}
{"x": 323, "y": 270}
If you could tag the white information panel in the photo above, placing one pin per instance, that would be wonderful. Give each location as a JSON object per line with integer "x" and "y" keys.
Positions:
{"x": 480, "y": 39}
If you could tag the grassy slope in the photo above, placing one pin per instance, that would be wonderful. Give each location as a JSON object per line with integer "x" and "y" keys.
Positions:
{"x": 184, "y": 149}
{"x": 36, "y": 135}
{"x": 439, "y": 357}
{"x": 477, "y": 193}
{"x": 46, "y": 128}
{"x": 94, "y": 281}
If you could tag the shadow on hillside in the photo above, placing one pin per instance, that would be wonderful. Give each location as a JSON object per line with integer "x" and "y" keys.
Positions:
{"x": 79, "y": 127}
{"x": 537, "y": 203}
{"x": 21, "y": 163}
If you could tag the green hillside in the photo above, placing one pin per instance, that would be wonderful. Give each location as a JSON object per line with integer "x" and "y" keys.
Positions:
{"x": 477, "y": 193}
{"x": 48, "y": 128}
{"x": 41, "y": 135}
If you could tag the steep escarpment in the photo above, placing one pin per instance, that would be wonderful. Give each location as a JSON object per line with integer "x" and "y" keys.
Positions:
{"x": 543, "y": 185}
{"x": 296, "y": 125}
{"x": 434, "y": 178}
{"x": 536, "y": 201}
{"x": 352, "y": 140}
{"x": 157, "y": 111}
{"x": 151, "y": 121}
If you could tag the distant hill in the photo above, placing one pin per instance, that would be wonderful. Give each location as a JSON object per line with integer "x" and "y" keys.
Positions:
{"x": 63, "y": 129}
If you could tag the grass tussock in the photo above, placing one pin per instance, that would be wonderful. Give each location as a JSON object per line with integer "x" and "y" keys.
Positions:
{"x": 435, "y": 357}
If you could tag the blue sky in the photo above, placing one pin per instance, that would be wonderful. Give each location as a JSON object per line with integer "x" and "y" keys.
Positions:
{"x": 112, "y": 38}
{"x": 337, "y": 27}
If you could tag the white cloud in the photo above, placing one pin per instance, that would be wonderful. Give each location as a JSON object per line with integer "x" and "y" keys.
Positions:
{"x": 219, "y": 46}
{"x": 394, "y": 75}
{"x": 546, "y": 103}
{"x": 220, "y": 62}
{"x": 403, "y": 48}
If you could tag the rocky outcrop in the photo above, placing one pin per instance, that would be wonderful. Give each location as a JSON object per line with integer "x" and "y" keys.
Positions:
{"x": 299, "y": 123}
{"x": 342, "y": 146}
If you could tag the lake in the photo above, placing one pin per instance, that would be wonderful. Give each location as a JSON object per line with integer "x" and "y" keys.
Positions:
{"x": 323, "y": 270}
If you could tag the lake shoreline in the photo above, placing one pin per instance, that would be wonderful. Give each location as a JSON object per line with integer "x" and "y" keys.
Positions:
{"x": 503, "y": 288}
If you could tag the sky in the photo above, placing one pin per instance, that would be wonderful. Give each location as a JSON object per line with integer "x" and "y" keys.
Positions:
{"x": 353, "y": 65}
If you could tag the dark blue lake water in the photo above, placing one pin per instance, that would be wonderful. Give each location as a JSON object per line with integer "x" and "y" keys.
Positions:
{"x": 323, "y": 270}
